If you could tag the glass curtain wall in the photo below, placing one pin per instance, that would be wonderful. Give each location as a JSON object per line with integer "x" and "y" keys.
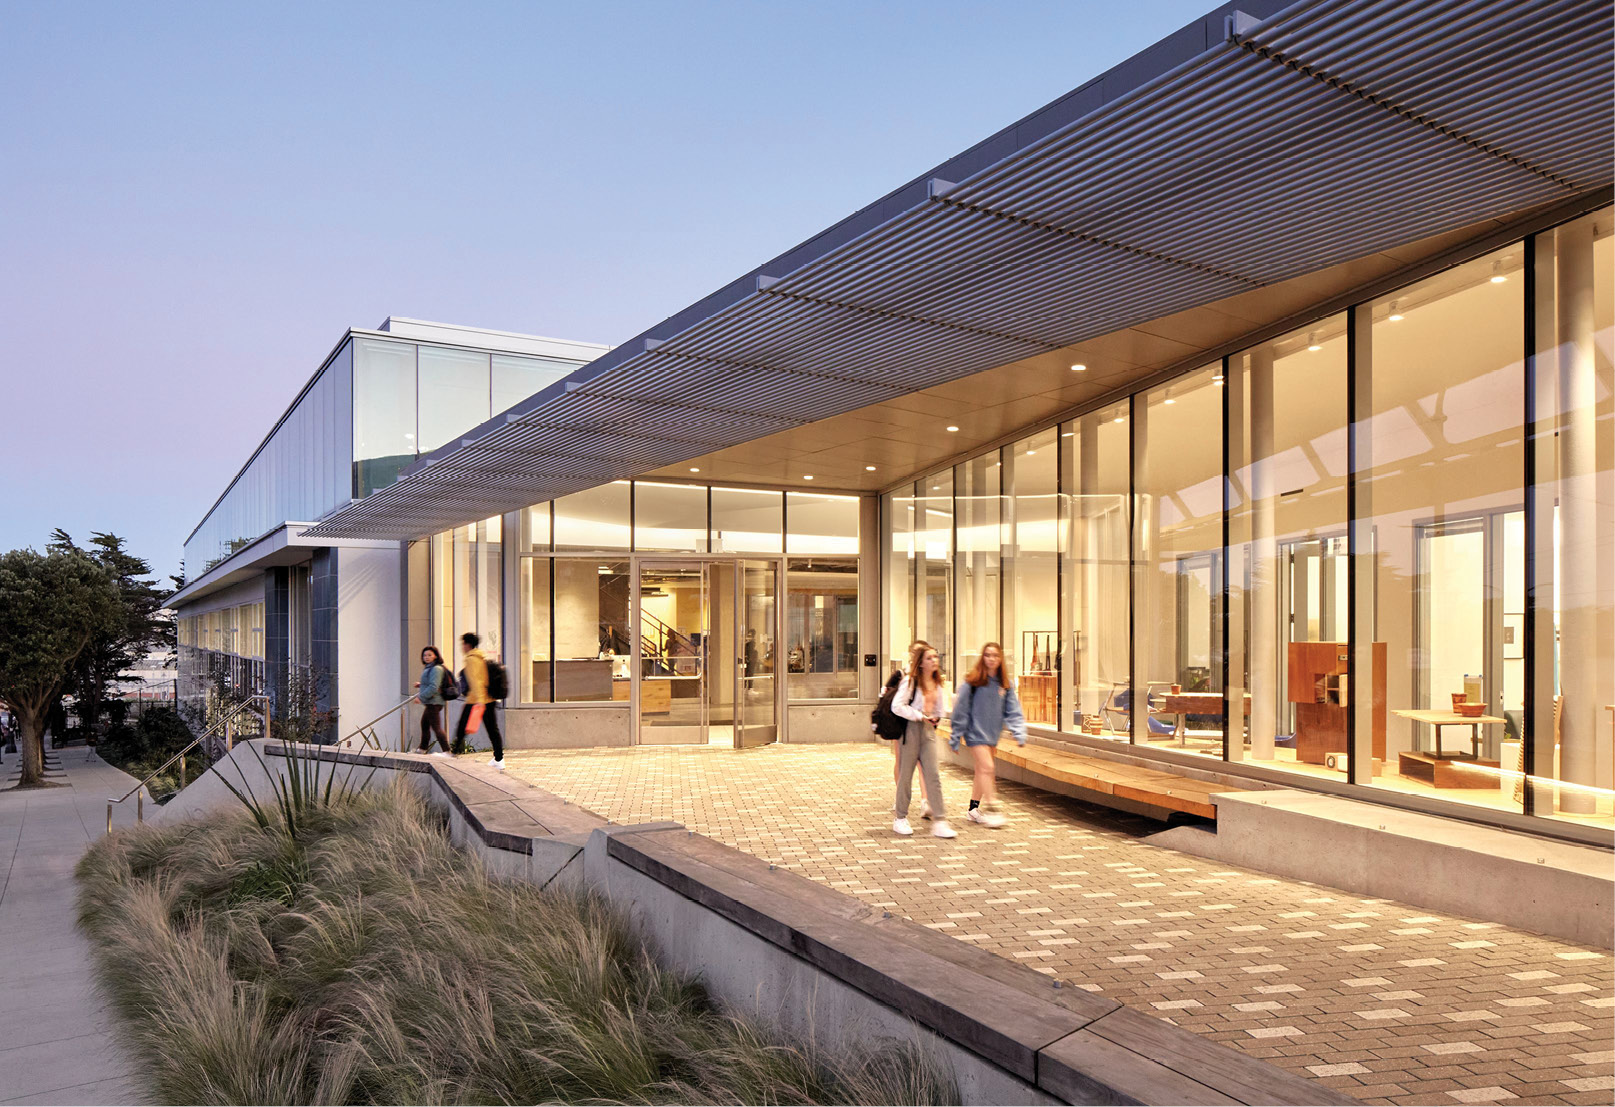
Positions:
{"x": 1569, "y": 636}
{"x": 1031, "y": 470}
{"x": 1422, "y": 600}
{"x": 1286, "y": 450}
{"x": 1096, "y": 474}
{"x": 1176, "y": 692}
{"x": 467, "y": 587}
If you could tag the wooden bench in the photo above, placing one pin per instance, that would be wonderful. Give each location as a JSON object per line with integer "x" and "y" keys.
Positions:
{"x": 1129, "y": 787}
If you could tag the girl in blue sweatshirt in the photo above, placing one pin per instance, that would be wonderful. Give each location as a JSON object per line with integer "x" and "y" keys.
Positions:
{"x": 986, "y": 705}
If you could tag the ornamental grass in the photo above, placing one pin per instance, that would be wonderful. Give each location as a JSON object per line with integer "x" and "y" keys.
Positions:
{"x": 365, "y": 960}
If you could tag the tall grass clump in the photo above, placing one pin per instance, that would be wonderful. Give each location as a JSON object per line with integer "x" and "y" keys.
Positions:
{"x": 365, "y": 960}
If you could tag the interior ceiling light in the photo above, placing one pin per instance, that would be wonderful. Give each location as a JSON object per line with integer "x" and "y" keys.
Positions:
{"x": 1031, "y": 453}
{"x": 1312, "y": 343}
{"x": 807, "y": 476}
{"x": 952, "y": 430}
{"x": 1169, "y": 401}
{"x": 1395, "y": 316}
{"x": 1119, "y": 419}
{"x": 1068, "y": 434}
{"x": 1497, "y": 273}
{"x": 1079, "y": 368}
{"x": 869, "y": 468}
{"x": 693, "y": 469}
{"x": 1216, "y": 382}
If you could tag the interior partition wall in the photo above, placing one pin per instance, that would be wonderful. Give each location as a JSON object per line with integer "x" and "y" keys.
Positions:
{"x": 1374, "y": 552}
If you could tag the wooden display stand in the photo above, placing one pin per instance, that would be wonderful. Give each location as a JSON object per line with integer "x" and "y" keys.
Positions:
{"x": 1039, "y": 692}
{"x": 1318, "y": 688}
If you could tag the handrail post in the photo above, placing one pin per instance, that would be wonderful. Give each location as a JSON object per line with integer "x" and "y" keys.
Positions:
{"x": 109, "y": 816}
{"x": 140, "y": 806}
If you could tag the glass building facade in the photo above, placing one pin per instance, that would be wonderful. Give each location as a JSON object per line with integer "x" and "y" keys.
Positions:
{"x": 376, "y": 405}
{"x": 1299, "y": 557}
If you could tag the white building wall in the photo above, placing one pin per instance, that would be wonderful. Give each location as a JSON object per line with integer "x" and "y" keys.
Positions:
{"x": 369, "y": 635}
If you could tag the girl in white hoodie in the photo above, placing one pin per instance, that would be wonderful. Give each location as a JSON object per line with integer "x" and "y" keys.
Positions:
{"x": 922, "y": 698}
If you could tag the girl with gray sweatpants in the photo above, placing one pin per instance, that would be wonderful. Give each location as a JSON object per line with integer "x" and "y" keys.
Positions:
{"x": 923, "y": 706}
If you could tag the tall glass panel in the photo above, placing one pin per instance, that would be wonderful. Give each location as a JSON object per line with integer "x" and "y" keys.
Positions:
{"x": 594, "y": 519}
{"x": 670, "y": 517}
{"x": 747, "y": 520}
{"x": 1441, "y": 457}
{"x": 933, "y": 566}
{"x": 383, "y": 412}
{"x": 980, "y": 508}
{"x": 1575, "y": 515}
{"x": 453, "y": 394}
{"x": 897, "y": 524}
{"x": 516, "y": 378}
{"x": 1096, "y": 497}
{"x": 1032, "y": 573}
{"x": 818, "y": 523}
{"x": 536, "y": 528}
{"x": 1177, "y": 435}
{"x": 592, "y": 632}
{"x": 535, "y": 667}
{"x": 1287, "y": 648}
{"x": 821, "y": 628}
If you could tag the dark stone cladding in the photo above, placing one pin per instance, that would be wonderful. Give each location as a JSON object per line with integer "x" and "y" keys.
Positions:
{"x": 277, "y": 636}
{"x": 1069, "y": 1043}
{"x": 322, "y": 583}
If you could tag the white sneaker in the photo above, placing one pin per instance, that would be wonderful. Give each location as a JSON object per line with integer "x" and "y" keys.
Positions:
{"x": 986, "y": 818}
{"x": 441, "y": 753}
{"x": 500, "y": 764}
{"x": 901, "y": 828}
{"x": 925, "y": 809}
{"x": 941, "y": 829}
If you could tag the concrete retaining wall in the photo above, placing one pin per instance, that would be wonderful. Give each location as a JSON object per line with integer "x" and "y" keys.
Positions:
{"x": 818, "y": 963}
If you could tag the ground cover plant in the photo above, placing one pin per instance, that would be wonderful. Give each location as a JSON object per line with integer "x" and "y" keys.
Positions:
{"x": 365, "y": 960}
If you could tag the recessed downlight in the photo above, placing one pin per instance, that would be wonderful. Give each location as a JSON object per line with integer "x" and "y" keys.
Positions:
{"x": 1079, "y": 368}
{"x": 807, "y": 476}
{"x": 953, "y": 430}
{"x": 693, "y": 469}
{"x": 869, "y": 468}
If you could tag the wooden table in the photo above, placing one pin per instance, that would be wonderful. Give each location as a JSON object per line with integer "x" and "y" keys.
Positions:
{"x": 1439, "y": 719}
{"x": 1184, "y": 704}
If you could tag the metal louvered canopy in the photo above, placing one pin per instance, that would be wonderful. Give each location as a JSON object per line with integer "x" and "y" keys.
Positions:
{"x": 1272, "y": 148}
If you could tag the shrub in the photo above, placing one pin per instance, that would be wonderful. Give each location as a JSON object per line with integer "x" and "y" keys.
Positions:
{"x": 367, "y": 961}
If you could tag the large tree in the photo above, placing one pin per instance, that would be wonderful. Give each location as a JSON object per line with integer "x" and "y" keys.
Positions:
{"x": 142, "y": 628}
{"x": 52, "y": 606}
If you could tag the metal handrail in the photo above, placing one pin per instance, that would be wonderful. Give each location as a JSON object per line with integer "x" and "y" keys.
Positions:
{"x": 211, "y": 732}
{"x": 365, "y": 729}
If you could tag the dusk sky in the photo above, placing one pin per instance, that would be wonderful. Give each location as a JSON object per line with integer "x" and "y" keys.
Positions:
{"x": 197, "y": 199}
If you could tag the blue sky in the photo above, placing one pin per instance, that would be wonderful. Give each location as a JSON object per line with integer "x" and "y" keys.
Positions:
{"x": 197, "y": 199}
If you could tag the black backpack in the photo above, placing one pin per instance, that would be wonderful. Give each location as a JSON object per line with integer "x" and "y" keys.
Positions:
{"x": 448, "y": 687}
{"x": 885, "y": 722}
{"x": 498, "y": 682}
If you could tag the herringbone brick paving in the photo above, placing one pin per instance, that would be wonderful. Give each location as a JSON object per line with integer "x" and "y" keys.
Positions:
{"x": 1389, "y": 1003}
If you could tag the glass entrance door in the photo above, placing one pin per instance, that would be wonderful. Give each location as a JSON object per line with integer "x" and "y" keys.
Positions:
{"x": 757, "y": 666}
{"x": 706, "y": 663}
{"x": 674, "y": 614}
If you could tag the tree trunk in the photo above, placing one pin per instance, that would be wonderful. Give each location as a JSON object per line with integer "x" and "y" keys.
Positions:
{"x": 32, "y": 747}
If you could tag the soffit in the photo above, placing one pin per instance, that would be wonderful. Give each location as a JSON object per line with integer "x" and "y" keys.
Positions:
{"x": 1316, "y": 139}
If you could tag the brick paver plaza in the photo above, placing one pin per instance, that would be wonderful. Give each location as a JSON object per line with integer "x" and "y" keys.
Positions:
{"x": 1389, "y": 1003}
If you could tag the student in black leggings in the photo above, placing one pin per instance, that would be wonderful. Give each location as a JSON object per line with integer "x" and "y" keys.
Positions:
{"x": 429, "y": 694}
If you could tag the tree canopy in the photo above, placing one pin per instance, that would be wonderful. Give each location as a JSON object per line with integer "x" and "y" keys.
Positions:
{"x": 52, "y": 607}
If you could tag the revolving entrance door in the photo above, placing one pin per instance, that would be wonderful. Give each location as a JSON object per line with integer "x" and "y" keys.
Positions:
{"x": 705, "y": 671}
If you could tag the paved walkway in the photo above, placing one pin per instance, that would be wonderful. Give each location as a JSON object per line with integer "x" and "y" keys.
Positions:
{"x": 55, "y": 1045}
{"x": 1389, "y": 1003}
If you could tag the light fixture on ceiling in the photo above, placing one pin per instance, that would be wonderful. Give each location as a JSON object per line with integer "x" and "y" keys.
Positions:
{"x": 869, "y": 468}
{"x": 1395, "y": 316}
{"x": 1119, "y": 419}
{"x": 1079, "y": 368}
{"x": 1497, "y": 273}
{"x": 1216, "y": 382}
{"x": 1312, "y": 342}
{"x": 1068, "y": 434}
{"x": 807, "y": 476}
{"x": 693, "y": 469}
{"x": 1031, "y": 453}
{"x": 953, "y": 430}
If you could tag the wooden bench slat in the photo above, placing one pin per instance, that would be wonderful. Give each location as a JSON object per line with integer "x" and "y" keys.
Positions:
{"x": 1153, "y": 787}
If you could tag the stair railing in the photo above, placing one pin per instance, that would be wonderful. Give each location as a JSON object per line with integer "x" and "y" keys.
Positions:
{"x": 222, "y": 727}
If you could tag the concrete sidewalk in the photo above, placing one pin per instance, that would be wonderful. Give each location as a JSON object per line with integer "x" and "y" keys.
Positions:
{"x": 55, "y": 1037}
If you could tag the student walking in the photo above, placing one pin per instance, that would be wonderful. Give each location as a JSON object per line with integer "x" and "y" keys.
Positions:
{"x": 986, "y": 706}
{"x": 435, "y": 681}
{"x": 480, "y": 705}
{"x": 915, "y": 649}
{"x": 922, "y": 699}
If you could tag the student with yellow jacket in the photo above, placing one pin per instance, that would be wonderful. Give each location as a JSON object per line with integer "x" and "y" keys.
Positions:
{"x": 480, "y": 707}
